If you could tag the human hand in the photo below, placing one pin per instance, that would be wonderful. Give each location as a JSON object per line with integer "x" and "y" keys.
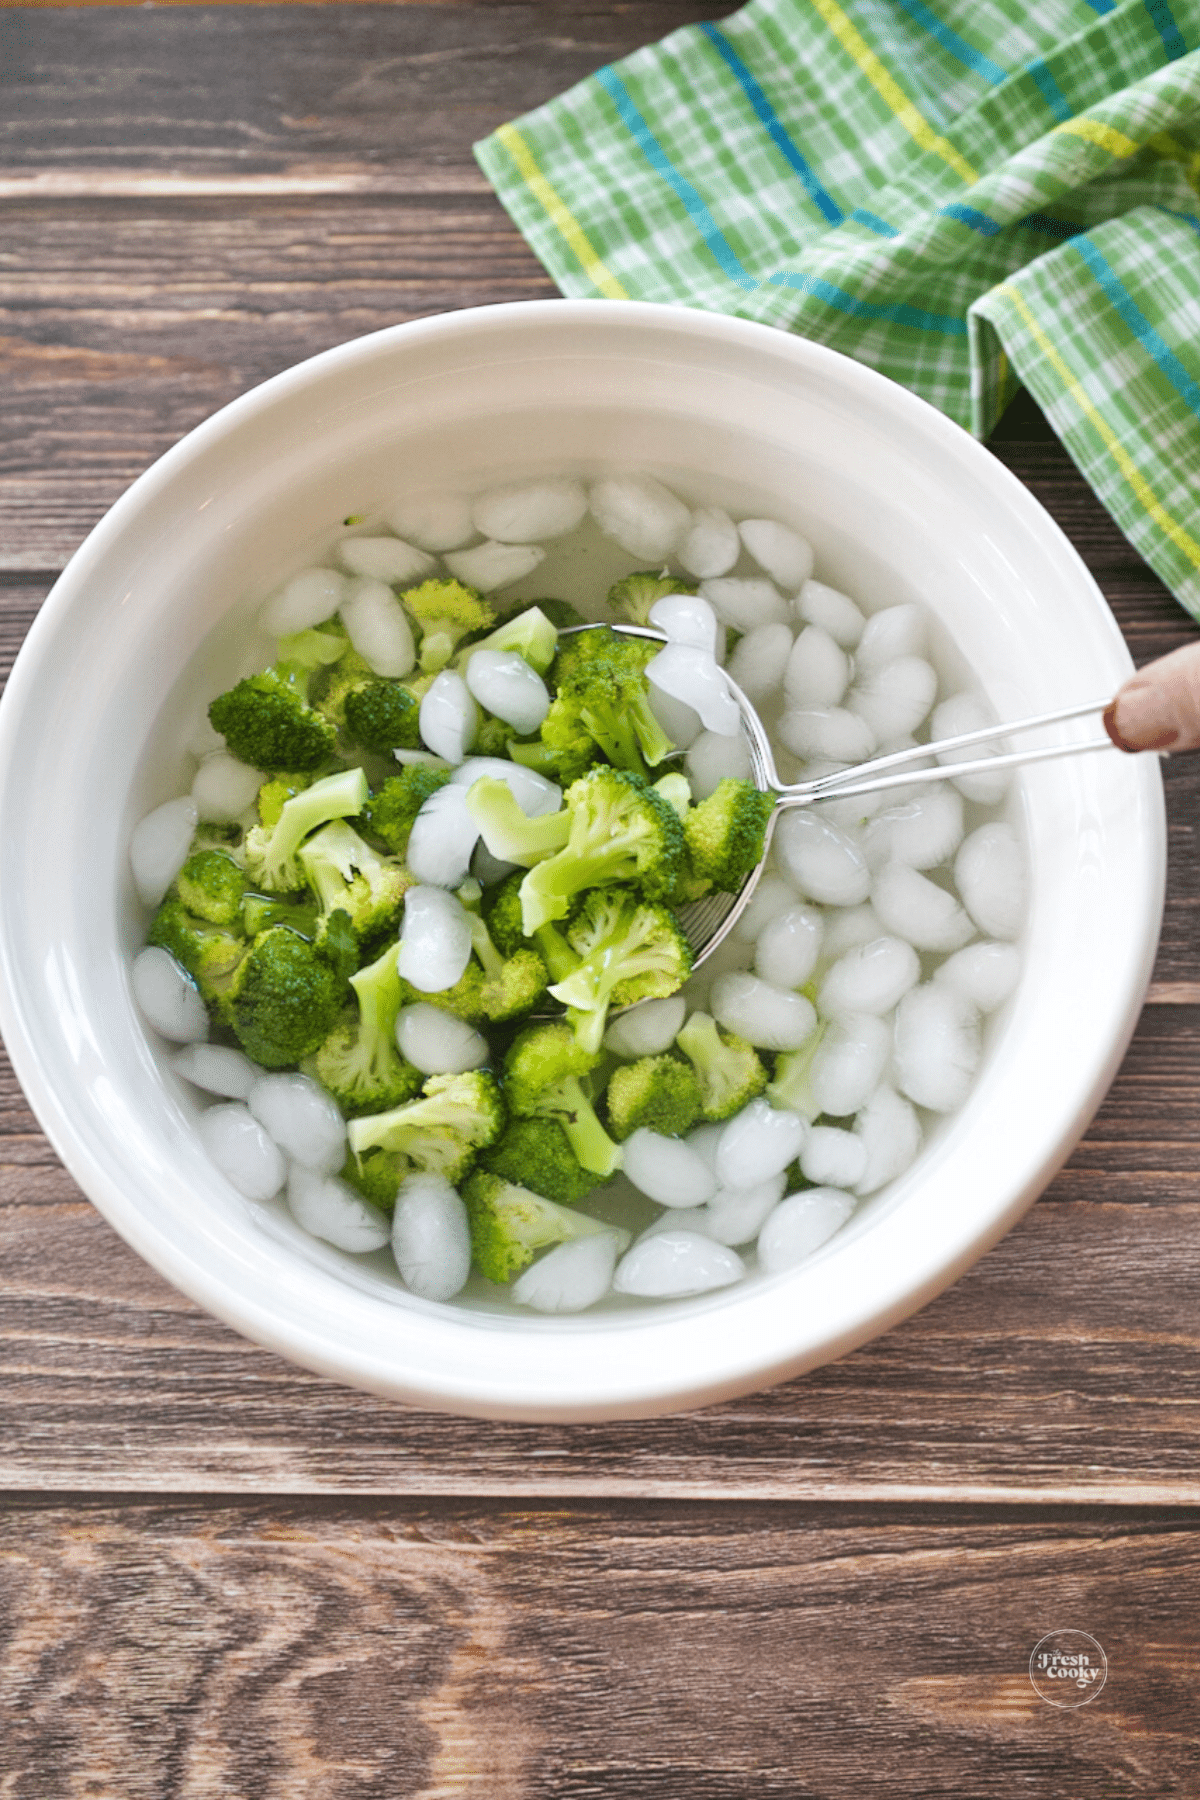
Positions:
{"x": 1159, "y": 707}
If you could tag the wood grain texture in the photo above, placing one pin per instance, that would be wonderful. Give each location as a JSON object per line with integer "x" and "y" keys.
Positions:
{"x": 376, "y": 1652}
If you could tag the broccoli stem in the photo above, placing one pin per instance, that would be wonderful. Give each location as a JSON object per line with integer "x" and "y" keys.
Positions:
{"x": 508, "y": 832}
{"x": 380, "y": 997}
{"x": 593, "y": 1147}
{"x": 340, "y": 796}
{"x": 555, "y": 952}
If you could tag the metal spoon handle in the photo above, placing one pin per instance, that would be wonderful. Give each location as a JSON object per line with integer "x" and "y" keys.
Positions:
{"x": 845, "y": 790}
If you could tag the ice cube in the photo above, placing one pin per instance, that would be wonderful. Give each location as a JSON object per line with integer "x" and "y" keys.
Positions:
{"x": 825, "y": 862}
{"x": 159, "y": 845}
{"x": 711, "y": 758}
{"x": 896, "y": 631}
{"x": 505, "y": 685}
{"x": 302, "y": 1119}
{"x": 817, "y": 671}
{"x": 435, "y": 520}
{"x": 828, "y": 732}
{"x": 667, "y": 1170}
{"x": 921, "y": 832}
{"x": 788, "y": 946}
{"x": 800, "y": 1225}
{"x": 894, "y": 697}
{"x": 766, "y": 1016}
{"x": 710, "y": 543}
{"x": 443, "y": 839}
{"x": 330, "y": 1209}
{"x": 849, "y": 1064}
{"x": 449, "y": 717}
{"x": 648, "y": 1029}
{"x": 238, "y": 1147}
{"x": 869, "y": 979}
{"x": 217, "y": 1069}
{"x": 306, "y": 600}
{"x": 759, "y": 660}
{"x": 640, "y": 514}
{"x": 681, "y": 723}
{"x": 692, "y": 676}
{"x": 745, "y": 602}
{"x": 984, "y": 974}
{"x": 936, "y": 1047}
{"x": 915, "y": 908}
{"x": 757, "y": 1144}
{"x": 833, "y": 1158}
{"x": 686, "y": 619}
{"x": 771, "y": 898}
{"x": 526, "y": 512}
{"x": 490, "y": 565}
{"x": 533, "y": 793}
{"x": 952, "y": 718}
{"x": 848, "y": 926}
{"x": 167, "y": 997}
{"x": 735, "y": 1215}
{"x": 378, "y": 628}
{"x": 431, "y": 1239}
{"x": 989, "y": 872}
{"x": 437, "y": 1042}
{"x": 785, "y": 555}
{"x": 223, "y": 788}
{"x": 675, "y": 1263}
{"x": 834, "y": 612}
{"x": 435, "y": 943}
{"x": 570, "y": 1277}
{"x": 891, "y": 1136}
{"x": 387, "y": 559}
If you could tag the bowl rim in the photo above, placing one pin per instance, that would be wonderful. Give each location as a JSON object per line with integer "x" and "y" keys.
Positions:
{"x": 898, "y": 1292}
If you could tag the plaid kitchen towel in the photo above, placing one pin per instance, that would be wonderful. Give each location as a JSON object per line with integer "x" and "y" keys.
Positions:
{"x": 965, "y": 194}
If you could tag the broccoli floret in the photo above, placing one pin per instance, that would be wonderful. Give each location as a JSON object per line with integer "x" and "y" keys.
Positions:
{"x": 359, "y": 1062}
{"x": 529, "y": 633}
{"x": 492, "y": 738}
{"x": 260, "y": 912}
{"x": 563, "y": 763}
{"x": 511, "y": 985}
{"x": 727, "y": 1069}
{"x": 210, "y": 885}
{"x": 456, "y": 1116}
{"x": 501, "y": 907}
{"x": 345, "y": 873}
{"x": 271, "y": 850}
{"x": 464, "y": 999}
{"x": 389, "y": 814}
{"x": 725, "y": 832}
{"x": 542, "y": 1080}
{"x": 632, "y": 597}
{"x": 791, "y": 1088}
{"x": 316, "y": 648}
{"x": 561, "y": 614}
{"x": 267, "y": 722}
{"x": 284, "y": 998}
{"x": 509, "y": 833}
{"x": 536, "y": 1153}
{"x": 657, "y": 1092}
{"x": 377, "y": 1178}
{"x": 445, "y": 610}
{"x": 600, "y": 678}
{"x": 210, "y": 953}
{"x": 676, "y": 790}
{"x": 509, "y": 1224}
{"x": 619, "y": 830}
{"x": 274, "y": 795}
{"x": 382, "y": 716}
{"x": 630, "y": 950}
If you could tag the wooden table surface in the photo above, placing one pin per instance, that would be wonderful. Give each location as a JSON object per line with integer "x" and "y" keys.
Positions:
{"x": 221, "y": 1576}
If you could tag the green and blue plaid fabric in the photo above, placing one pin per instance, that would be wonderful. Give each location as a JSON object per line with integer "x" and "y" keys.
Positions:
{"x": 965, "y": 194}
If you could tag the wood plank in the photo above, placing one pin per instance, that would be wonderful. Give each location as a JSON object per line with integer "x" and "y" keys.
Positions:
{"x": 1065, "y": 1365}
{"x": 630, "y": 1654}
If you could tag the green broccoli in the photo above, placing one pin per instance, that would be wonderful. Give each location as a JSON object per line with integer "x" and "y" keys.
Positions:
{"x": 271, "y": 852}
{"x": 274, "y": 795}
{"x": 210, "y": 953}
{"x": 536, "y": 1153}
{"x": 260, "y": 911}
{"x": 630, "y": 950}
{"x": 660, "y": 1093}
{"x": 511, "y": 985}
{"x": 315, "y": 648}
{"x": 501, "y": 907}
{"x": 382, "y": 716}
{"x": 389, "y": 814}
{"x": 284, "y": 998}
{"x": 601, "y": 691}
{"x": 464, "y": 999}
{"x": 210, "y": 885}
{"x": 632, "y": 597}
{"x": 492, "y": 738}
{"x": 358, "y": 1062}
{"x": 727, "y": 1069}
{"x": 267, "y": 722}
{"x": 542, "y": 1080}
{"x": 346, "y": 873}
{"x": 725, "y": 832}
{"x": 456, "y": 1116}
{"x": 620, "y": 830}
{"x": 530, "y": 633}
{"x": 377, "y": 1178}
{"x": 445, "y": 610}
{"x": 509, "y": 833}
{"x": 510, "y": 1224}
{"x": 791, "y": 1088}
{"x": 561, "y": 614}
{"x": 676, "y": 790}
{"x": 564, "y": 762}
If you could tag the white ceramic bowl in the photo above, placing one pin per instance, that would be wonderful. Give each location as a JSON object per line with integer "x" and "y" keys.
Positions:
{"x": 149, "y": 621}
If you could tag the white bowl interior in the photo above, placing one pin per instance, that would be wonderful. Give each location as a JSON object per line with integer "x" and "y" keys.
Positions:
{"x": 154, "y": 616}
